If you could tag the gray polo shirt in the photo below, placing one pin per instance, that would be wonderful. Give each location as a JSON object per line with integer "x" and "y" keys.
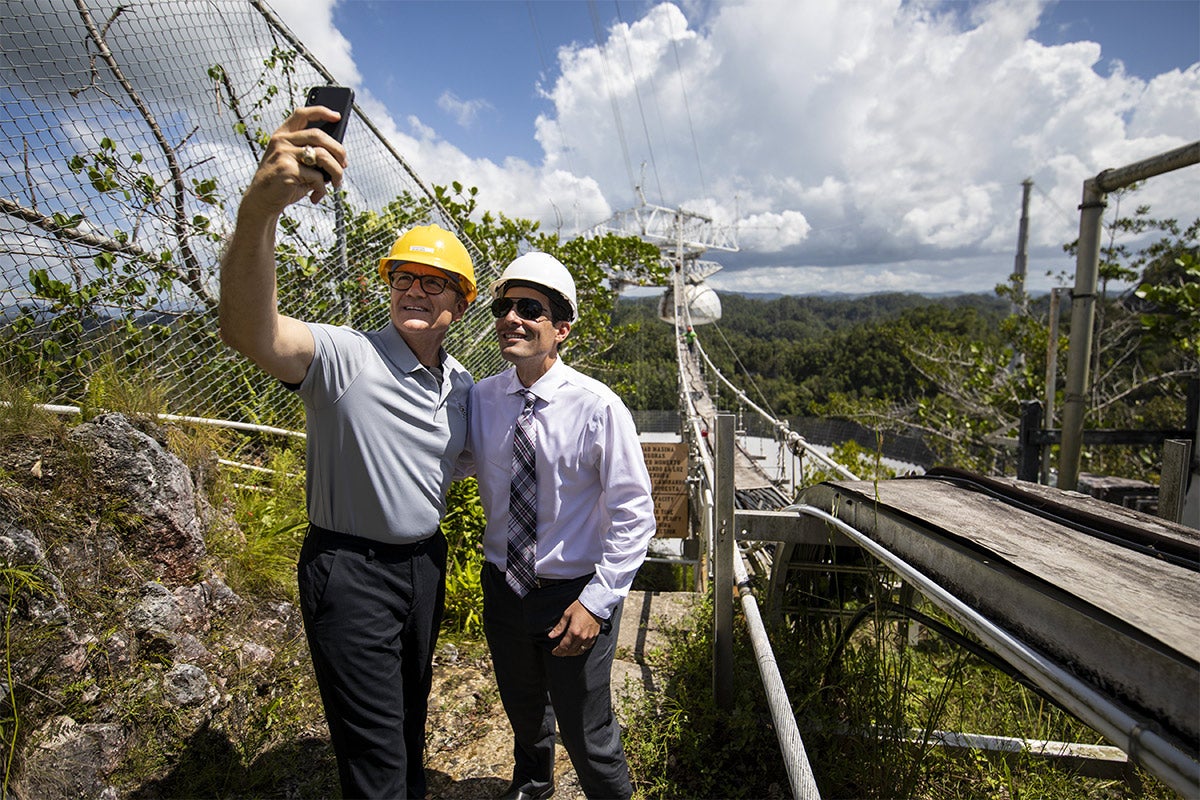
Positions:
{"x": 383, "y": 434}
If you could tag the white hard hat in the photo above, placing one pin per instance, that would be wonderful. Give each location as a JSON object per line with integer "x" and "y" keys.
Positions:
{"x": 542, "y": 269}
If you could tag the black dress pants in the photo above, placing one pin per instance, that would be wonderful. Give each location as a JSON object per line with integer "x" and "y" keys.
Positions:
{"x": 371, "y": 614}
{"x": 539, "y": 689}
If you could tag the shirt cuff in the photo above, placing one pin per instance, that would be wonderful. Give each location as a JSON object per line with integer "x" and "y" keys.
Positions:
{"x": 598, "y": 600}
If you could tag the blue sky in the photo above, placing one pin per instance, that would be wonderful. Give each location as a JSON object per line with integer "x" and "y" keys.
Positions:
{"x": 862, "y": 145}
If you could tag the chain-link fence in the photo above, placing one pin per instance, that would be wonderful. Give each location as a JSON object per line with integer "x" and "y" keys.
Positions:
{"x": 129, "y": 134}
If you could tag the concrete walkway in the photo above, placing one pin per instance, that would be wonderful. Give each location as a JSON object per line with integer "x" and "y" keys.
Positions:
{"x": 647, "y": 617}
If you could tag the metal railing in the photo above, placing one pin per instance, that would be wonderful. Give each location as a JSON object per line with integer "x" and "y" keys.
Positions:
{"x": 728, "y": 528}
{"x": 713, "y": 495}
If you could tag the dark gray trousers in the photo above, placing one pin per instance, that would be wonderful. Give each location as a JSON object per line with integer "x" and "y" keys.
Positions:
{"x": 371, "y": 614}
{"x": 538, "y": 689}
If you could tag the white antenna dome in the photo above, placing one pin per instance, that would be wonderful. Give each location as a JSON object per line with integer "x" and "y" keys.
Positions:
{"x": 703, "y": 305}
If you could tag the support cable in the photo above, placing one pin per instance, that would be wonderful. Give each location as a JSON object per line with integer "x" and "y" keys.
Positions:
{"x": 641, "y": 111}
{"x": 537, "y": 38}
{"x": 795, "y": 442}
{"x": 612, "y": 98}
{"x": 688, "y": 111}
{"x": 737, "y": 361}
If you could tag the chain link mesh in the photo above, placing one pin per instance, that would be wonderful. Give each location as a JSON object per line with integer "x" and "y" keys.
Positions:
{"x": 129, "y": 134}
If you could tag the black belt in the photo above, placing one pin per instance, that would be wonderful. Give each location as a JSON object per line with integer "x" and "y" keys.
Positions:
{"x": 540, "y": 582}
{"x": 328, "y": 538}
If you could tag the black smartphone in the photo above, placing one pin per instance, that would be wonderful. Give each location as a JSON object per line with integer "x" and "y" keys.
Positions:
{"x": 335, "y": 98}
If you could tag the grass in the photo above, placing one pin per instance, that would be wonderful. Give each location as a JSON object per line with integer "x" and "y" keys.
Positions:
{"x": 18, "y": 582}
{"x": 269, "y": 519}
{"x": 129, "y": 388}
{"x": 21, "y": 413}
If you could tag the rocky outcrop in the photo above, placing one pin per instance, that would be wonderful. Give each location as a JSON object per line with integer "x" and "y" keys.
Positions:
{"x": 155, "y": 487}
{"x": 115, "y": 611}
{"x": 136, "y": 668}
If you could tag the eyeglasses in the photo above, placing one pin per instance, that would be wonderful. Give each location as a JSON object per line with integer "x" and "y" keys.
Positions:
{"x": 527, "y": 307}
{"x": 430, "y": 284}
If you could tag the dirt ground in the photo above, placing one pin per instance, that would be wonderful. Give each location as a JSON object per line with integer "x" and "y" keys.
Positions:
{"x": 469, "y": 753}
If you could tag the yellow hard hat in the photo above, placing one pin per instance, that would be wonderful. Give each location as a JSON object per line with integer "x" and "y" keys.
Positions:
{"x": 437, "y": 247}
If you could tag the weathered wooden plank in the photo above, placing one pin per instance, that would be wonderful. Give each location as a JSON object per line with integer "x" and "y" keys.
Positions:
{"x": 1126, "y": 622}
{"x": 1158, "y": 598}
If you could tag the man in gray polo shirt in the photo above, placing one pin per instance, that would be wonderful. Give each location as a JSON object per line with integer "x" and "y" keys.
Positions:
{"x": 386, "y": 415}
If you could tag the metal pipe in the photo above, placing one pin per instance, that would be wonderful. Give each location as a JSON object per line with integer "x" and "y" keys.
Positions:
{"x": 1176, "y": 768}
{"x": 795, "y": 759}
{"x": 1185, "y": 156}
{"x": 1083, "y": 305}
{"x": 216, "y": 423}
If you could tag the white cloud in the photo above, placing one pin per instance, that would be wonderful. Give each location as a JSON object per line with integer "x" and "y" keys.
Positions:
{"x": 905, "y": 122}
{"x": 463, "y": 111}
{"x": 841, "y": 134}
{"x": 772, "y": 232}
{"x": 312, "y": 22}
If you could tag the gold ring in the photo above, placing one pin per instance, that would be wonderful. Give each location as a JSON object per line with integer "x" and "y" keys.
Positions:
{"x": 308, "y": 156}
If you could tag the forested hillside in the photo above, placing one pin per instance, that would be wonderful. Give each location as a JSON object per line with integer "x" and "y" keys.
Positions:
{"x": 802, "y": 352}
{"x": 949, "y": 371}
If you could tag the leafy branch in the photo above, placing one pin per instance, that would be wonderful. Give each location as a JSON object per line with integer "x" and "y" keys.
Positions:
{"x": 191, "y": 274}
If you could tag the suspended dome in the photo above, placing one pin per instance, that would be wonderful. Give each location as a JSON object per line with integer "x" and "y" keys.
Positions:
{"x": 703, "y": 305}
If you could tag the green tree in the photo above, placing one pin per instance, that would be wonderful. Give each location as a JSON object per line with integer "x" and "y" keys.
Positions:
{"x": 1145, "y": 350}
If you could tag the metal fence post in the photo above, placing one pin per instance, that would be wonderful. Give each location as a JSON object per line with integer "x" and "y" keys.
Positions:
{"x": 723, "y": 555}
{"x": 1083, "y": 297}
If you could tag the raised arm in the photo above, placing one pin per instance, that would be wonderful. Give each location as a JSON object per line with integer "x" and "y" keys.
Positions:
{"x": 249, "y": 310}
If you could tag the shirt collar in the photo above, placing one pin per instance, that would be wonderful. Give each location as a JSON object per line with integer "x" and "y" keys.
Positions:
{"x": 400, "y": 354}
{"x": 546, "y": 386}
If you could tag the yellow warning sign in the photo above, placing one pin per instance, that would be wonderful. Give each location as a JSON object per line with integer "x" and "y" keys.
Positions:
{"x": 667, "y": 464}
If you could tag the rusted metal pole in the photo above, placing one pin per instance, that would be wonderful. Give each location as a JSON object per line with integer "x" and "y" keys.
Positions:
{"x": 1083, "y": 314}
{"x": 1172, "y": 485}
{"x": 1021, "y": 263}
{"x": 1051, "y": 378}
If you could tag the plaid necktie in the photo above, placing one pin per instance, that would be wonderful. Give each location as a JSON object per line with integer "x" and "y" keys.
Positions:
{"x": 522, "y": 504}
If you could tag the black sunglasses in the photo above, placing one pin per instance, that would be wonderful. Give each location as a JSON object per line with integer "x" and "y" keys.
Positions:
{"x": 527, "y": 307}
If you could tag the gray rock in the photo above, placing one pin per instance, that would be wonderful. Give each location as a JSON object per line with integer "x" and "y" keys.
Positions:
{"x": 186, "y": 685}
{"x": 21, "y": 548}
{"x": 133, "y": 468}
{"x": 251, "y": 654}
{"x": 156, "y": 612}
{"x": 67, "y": 759}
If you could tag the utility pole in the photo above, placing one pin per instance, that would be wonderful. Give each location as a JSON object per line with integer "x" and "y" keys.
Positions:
{"x": 1020, "y": 268}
